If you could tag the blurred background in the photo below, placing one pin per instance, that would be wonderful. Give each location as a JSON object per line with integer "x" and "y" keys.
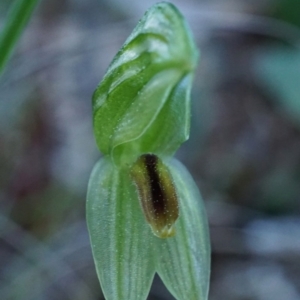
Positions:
{"x": 244, "y": 149}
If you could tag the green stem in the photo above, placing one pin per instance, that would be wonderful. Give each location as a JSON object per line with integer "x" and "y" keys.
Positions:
{"x": 17, "y": 19}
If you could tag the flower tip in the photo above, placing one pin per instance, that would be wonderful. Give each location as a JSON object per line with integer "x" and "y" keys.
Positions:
{"x": 165, "y": 232}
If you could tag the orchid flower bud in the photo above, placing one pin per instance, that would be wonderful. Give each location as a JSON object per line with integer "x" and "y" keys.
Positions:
{"x": 141, "y": 116}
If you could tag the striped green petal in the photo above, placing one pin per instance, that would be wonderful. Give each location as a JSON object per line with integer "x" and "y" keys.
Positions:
{"x": 142, "y": 103}
{"x": 122, "y": 242}
{"x": 183, "y": 261}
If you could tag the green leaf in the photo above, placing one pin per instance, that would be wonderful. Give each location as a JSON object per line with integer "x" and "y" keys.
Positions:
{"x": 184, "y": 260}
{"x": 17, "y": 19}
{"x": 143, "y": 101}
{"x": 122, "y": 242}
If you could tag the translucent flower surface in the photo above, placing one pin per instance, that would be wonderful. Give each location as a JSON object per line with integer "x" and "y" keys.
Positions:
{"x": 144, "y": 211}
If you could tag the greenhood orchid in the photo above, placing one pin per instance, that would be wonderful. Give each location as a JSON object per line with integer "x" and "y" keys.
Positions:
{"x": 144, "y": 211}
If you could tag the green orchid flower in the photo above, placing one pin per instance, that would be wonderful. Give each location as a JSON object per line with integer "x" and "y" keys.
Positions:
{"x": 144, "y": 211}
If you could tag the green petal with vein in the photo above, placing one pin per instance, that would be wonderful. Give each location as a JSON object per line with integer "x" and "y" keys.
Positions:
{"x": 122, "y": 242}
{"x": 145, "y": 92}
{"x": 183, "y": 261}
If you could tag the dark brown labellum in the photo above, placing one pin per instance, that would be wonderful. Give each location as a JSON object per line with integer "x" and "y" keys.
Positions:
{"x": 157, "y": 194}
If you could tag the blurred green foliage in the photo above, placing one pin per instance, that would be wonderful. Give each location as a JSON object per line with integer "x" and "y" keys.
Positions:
{"x": 279, "y": 69}
{"x": 288, "y": 11}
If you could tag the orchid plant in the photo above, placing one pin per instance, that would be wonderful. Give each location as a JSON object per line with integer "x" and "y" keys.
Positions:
{"x": 144, "y": 211}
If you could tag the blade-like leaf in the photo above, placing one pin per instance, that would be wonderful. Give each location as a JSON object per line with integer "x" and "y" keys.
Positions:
{"x": 134, "y": 102}
{"x": 122, "y": 241}
{"x": 183, "y": 261}
{"x": 17, "y": 19}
